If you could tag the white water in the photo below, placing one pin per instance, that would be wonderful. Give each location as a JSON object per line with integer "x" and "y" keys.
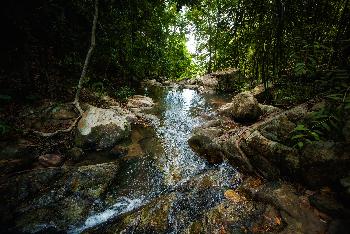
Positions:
{"x": 176, "y": 165}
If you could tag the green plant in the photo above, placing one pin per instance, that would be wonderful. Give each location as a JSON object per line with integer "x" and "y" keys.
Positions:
{"x": 124, "y": 93}
{"x": 302, "y": 135}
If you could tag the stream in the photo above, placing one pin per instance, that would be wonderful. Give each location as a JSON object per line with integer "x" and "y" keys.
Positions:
{"x": 161, "y": 162}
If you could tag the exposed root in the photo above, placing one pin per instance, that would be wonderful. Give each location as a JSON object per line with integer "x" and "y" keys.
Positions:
{"x": 51, "y": 134}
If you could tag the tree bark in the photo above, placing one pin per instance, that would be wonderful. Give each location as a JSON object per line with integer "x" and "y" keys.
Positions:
{"x": 87, "y": 59}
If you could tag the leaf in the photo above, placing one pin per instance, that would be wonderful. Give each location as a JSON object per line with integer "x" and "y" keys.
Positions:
{"x": 315, "y": 135}
{"x": 300, "y": 127}
{"x": 298, "y": 136}
{"x": 300, "y": 144}
{"x": 326, "y": 126}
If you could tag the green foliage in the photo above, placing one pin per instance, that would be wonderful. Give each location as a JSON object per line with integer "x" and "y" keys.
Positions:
{"x": 325, "y": 123}
{"x": 124, "y": 92}
{"x": 302, "y": 135}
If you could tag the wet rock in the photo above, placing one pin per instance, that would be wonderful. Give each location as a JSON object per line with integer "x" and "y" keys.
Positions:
{"x": 295, "y": 212}
{"x": 269, "y": 157}
{"x": 139, "y": 102}
{"x": 324, "y": 163}
{"x": 101, "y": 128}
{"x": 76, "y": 154}
{"x": 227, "y": 217}
{"x": 245, "y": 107}
{"x": 53, "y": 197}
{"x": 203, "y": 142}
{"x": 150, "y": 218}
{"x": 50, "y": 160}
{"x": 278, "y": 129}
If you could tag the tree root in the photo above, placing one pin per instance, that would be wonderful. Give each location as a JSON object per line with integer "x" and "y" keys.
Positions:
{"x": 51, "y": 134}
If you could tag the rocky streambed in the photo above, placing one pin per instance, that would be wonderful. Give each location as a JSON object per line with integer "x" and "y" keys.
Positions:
{"x": 169, "y": 165}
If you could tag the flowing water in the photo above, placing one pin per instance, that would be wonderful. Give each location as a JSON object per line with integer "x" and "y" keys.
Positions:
{"x": 162, "y": 163}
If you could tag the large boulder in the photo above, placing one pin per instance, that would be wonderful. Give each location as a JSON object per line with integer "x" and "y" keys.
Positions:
{"x": 101, "y": 128}
{"x": 244, "y": 108}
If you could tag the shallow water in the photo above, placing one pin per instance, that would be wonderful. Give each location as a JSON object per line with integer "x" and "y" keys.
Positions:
{"x": 166, "y": 164}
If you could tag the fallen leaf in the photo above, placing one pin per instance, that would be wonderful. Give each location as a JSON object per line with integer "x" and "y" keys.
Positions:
{"x": 233, "y": 196}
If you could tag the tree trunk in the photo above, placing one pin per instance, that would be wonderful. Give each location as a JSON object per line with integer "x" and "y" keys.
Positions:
{"x": 87, "y": 59}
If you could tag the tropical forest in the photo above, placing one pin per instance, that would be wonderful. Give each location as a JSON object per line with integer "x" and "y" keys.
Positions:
{"x": 175, "y": 116}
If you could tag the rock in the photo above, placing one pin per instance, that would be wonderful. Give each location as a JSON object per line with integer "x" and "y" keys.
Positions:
{"x": 295, "y": 212}
{"x": 297, "y": 113}
{"x": 270, "y": 157}
{"x": 203, "y": 142}
{"x": 55, "y": 198}
{"x": 278, "y": 129}
{"x": 153, "y": 82}
{"x": 267, "y": 109}
{"x": 346, "y": 131}
{"x": 101, "y": 128}
{"x": 50, "y": 160}
{"x": 75, "y": 154}
{"x": 140, "y": 102}
{"x": 227, "y": 217}
{"x": 324, "y": 163}
{"x": 207, "y": 81}
{"x": 245, "y": 108}
{"x": 130, "y": 116}
{"x": 150, "y": 218}
{"x": 226, "y": 109}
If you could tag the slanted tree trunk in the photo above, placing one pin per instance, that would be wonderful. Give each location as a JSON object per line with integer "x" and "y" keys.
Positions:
{"x": 81, "y": 80}
{"x": 87, "y": 59}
